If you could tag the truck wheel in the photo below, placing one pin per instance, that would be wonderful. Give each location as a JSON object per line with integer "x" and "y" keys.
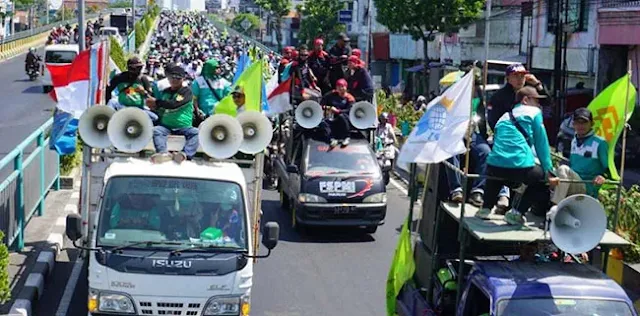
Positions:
{"x": 284, "y": 199}
{"x": 371, "y": 229}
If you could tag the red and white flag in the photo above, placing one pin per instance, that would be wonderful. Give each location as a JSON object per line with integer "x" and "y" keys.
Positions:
{"x": 76, "y": 86}
{"x": 279, "y": 99}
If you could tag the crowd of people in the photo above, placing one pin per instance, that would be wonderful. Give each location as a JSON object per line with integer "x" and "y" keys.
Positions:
{"x": 65, "y": 34}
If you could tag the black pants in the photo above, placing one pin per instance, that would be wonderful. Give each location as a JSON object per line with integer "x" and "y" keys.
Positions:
{"x": 536, "y": 195}
{"x": 338, "y": 128}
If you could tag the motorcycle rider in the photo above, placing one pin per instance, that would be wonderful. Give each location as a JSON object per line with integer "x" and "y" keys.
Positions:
{"x": 31, "y": 60}
{"x": 384, "y": 131}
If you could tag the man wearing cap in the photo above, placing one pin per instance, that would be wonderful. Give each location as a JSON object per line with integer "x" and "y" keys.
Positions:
{"x": 338, "y": 102}
{"x": 588, "y": 160}
{"x": 360, "y": 83}
{"x": 504, "y": 99}
{"x": 517, "y": 133}
{"x": 338, "y": 55}
{"x": 131, "y": 88}
{"x": 209, "y": 88}
{"x": 305, "y": 80}
{"x": 284, "y": 61}
{"x": 319, "y": 64}
{"x": 175, "y": 108}
{"x": 239, "y": 98}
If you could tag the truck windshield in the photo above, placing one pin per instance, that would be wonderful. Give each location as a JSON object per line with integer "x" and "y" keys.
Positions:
{"x": 352, "y": 159}
{"x": 59, "y": 57}
{"x": 172, "y": 211}
{"x": 562, "y": 306}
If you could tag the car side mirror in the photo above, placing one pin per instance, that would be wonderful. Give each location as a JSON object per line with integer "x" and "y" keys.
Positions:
{"x": 73, "y": 229}
{"x": 270, "y": 235}
{"x": 292, "y": 169}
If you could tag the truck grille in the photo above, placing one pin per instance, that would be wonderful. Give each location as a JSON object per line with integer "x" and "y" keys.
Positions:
{"x": 169, "y": 308}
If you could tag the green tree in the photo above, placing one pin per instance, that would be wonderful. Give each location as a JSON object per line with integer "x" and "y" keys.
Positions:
{"x": 120, "y": 4}
{"x": 278, "y": 9}
{"x": 236, "y": 23}
{"x": 421, "y": 19}
{"x": 320, "y": 18}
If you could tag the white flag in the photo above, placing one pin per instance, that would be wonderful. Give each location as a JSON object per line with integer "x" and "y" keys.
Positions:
{"x": 439, "y": 134}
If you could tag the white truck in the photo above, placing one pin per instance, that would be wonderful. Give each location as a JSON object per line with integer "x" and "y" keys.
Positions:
{"x": 169, "y": 238}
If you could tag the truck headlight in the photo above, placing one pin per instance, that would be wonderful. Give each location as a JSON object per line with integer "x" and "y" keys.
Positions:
{"x": 376, "y": 198}
{"x": 310, "y": 198}
{"x": 110, "y": 302}
{"x": 228, "y": 305}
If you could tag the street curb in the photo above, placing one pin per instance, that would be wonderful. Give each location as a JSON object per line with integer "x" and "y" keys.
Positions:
{"x": 36, "y": 280}
{"x": 66, "y": 182}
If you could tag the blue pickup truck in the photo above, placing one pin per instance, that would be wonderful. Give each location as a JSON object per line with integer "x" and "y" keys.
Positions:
{"x": 504, "y": 288}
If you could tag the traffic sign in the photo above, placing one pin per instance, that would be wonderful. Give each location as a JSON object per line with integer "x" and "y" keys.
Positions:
{"x": 345, "y": 16}
{"x": 245, "y": 24}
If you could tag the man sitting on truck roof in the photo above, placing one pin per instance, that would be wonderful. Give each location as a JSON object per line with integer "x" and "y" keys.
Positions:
{"x": 339, "y": 102}
{"x": 588, "y": 160}
{"x": 131, "y": 87}
{"x": 175, "y": 108}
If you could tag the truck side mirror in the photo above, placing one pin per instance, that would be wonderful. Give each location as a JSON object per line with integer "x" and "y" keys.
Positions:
{"x": 74, "y": 227}
{"x": 270, "y": 235}
{"x": 292, "y": 169}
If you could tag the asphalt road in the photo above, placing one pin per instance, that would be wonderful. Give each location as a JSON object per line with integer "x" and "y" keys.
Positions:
{"x": 24, "y": 106}
{"x": 322, "y": 272}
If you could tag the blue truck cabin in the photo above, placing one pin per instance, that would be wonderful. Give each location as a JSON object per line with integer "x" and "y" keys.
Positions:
{"x": 532, "y": 289}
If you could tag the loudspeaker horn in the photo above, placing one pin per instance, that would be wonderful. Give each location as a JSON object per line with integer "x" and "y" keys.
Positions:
{"x": 309, "y": 114}
{"x": 220, "y": 136}
{"x": 130, "y": 130}
{"x": 257, "y": 132}
{"x": 362, "y": 115}
{"x": 577, "y": 223}
{"x": 92, "y": 126}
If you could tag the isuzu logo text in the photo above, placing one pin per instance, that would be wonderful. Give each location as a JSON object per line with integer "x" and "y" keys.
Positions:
{"x": 177, "y": 264}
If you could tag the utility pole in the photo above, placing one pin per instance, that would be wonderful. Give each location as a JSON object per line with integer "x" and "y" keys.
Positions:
{"x": 369, "y": 46}
{"x": 557, "y": 64}
{"x": 81, "y": 25}
{"x": 46, "y": 10}
{"x": 487, "y": 37}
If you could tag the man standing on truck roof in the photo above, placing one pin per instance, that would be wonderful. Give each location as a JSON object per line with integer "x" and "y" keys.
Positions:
{"x": 175, "y": 108}
{"x": 588, "y": 160}
{"x": 131, "y": 87}
{"x": 209, "y": 88}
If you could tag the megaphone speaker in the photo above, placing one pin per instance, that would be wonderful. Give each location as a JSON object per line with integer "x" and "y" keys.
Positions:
{"x": 220, "y": 136}
{"x": 362, "y": 115}
{"x": 309, "y": 114}
{"x": 92, "y": 126}
{"x": 577, "y": 223}
{"x": 257, "y": 132}
{"x": 130, "y": 130}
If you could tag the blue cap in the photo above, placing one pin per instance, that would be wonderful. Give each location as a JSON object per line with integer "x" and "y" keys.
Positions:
{"x": 516, "y": 68}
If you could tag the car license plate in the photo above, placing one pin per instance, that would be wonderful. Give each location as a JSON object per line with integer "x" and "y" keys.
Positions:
{"x": 343, "y": 209}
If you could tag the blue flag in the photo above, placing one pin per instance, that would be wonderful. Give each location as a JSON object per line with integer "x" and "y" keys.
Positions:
{"x": 243, "y": 62}
{"x": 63, "y": 133}
{"x": 265, "y": 104}
{"x": 286, "y": 73}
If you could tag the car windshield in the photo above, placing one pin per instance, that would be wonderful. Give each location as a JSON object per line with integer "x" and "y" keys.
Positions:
{"x": 180, "y": 212}
{"x": 562, "y": 306}
{"x": 352, "y": 159}
{"x": 108, "y": 32}
{"x": 59, "y": 57}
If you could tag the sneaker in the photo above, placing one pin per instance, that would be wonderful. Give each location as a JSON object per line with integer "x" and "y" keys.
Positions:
{"x": 456, "y": 197}
{"x": 514, "y": 217}
{"x": 483, "y": 213}
{"x": 502, "y": 206}
{"x": 333, "y": 143}
{"x": 161, "y": 157}
{"x": 476, "y": 199}
{"x": 345, "y": 142}
{"x": 179, "y": 157}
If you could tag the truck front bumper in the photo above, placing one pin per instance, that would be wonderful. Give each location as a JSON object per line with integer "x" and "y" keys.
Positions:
{"x": 339, "y": 214}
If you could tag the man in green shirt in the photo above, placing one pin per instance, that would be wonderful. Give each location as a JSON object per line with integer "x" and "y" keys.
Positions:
{"x": 175, "y": 108}
{"x": 131, "y": 88}
{"x": 209, "y": 88}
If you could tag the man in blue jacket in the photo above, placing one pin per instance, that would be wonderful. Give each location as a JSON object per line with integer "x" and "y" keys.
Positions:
{"x": 517, "y": 132}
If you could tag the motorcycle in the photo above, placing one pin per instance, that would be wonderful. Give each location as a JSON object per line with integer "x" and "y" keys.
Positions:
{"x": 33, "y": 71}
{"x": 385, "y": 154}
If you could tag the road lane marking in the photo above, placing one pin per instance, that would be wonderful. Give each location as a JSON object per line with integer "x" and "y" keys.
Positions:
{"x": 70, "y": 289}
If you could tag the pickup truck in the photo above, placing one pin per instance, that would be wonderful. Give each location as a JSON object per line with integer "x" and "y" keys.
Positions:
{"x": 504, "y": 288}
{"x": 332, "y": 186}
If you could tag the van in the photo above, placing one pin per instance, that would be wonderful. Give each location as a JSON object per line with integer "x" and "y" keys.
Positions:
{"x": 107, "y": 31}
{"x": 58, "y": 55}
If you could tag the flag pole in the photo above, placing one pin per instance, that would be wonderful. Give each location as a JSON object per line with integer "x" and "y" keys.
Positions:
{"x": 624, "y": 147}
{"x": 259, "y": 164}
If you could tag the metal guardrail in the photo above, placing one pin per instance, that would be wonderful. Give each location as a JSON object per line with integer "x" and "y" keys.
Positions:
{"x": 23, "y": 191}
{"x": 41, "y": 29}
{"x": 221, "y": 26}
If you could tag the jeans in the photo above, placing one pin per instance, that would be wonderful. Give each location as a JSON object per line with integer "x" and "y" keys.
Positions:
{"x": 161, "y": 133}
{"x": 536, "y": 194}
{"x": 113, "y": 103}
{"x": 479, "y": 151}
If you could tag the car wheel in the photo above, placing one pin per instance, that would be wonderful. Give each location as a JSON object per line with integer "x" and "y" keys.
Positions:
{"x": 371, "y": 229}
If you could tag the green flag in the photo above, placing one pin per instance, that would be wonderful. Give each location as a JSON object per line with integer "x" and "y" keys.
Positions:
{"x": 251, "y": 82}
{"x": 608, "y": 115}
{"x": 402, "y": 268}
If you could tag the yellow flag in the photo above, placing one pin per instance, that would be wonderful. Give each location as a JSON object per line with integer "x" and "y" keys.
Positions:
{"x": 402, "y": 268}
{"x": 608, "y": 115}
{"x": 251, "y": 81}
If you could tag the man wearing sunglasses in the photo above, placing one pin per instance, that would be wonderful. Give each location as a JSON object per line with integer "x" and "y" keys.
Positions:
{"x": 239, "y": 98}
{"x": 131, "y": 87}
{"x": 175, "y": 108}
